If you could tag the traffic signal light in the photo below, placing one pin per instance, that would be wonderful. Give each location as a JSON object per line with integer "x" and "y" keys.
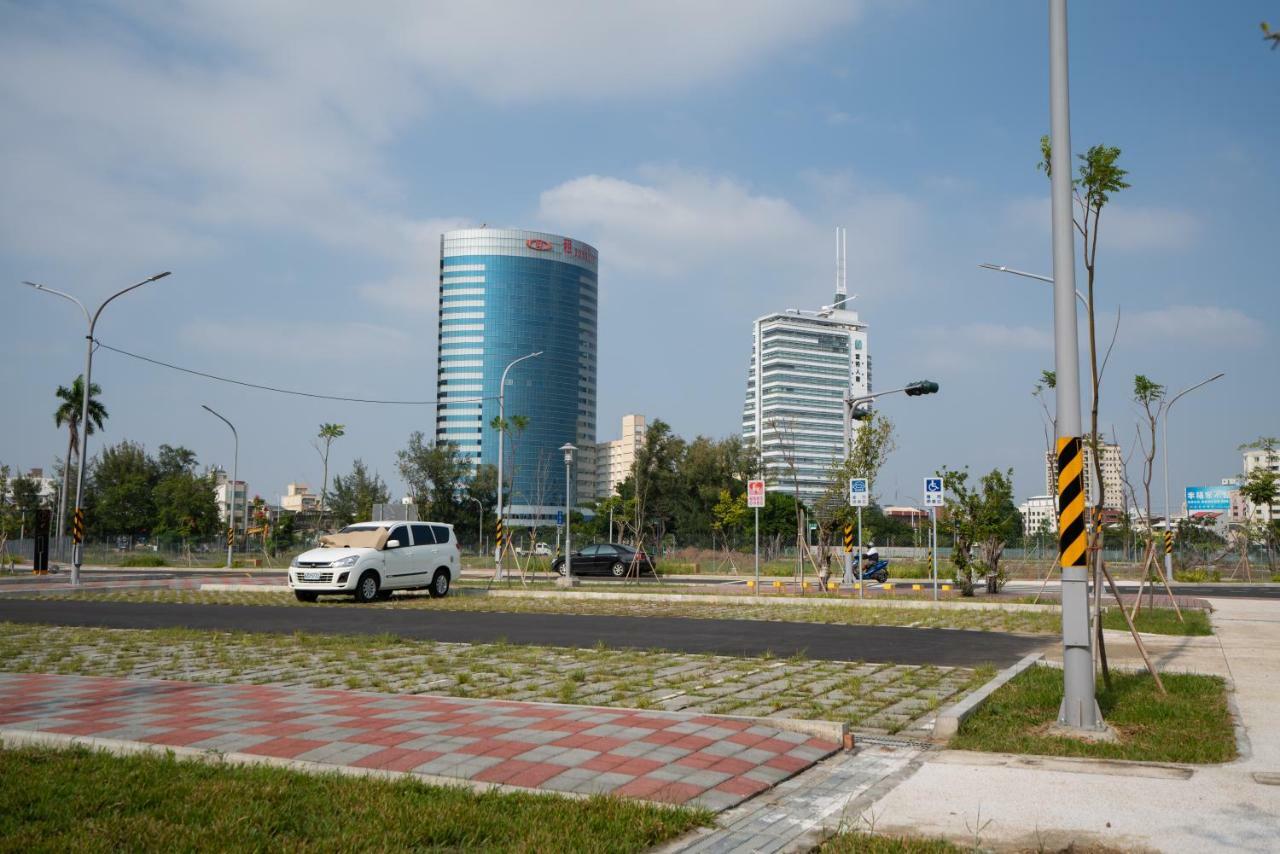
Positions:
{"x": 861, "y": 412}
{"x": 920, "y": 387}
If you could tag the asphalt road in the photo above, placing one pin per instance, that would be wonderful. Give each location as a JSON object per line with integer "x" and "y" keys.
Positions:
{"x": 881, "y": 644}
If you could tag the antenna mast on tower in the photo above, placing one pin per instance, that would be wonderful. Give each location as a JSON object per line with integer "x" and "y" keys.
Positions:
{"x": 842, "y": 285}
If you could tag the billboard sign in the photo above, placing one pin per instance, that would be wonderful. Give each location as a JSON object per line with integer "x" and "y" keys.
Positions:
{"x": 1209, "y": 498}
{"x": 755, "y": 493}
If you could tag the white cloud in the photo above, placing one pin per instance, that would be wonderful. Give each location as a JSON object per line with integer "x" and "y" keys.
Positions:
{"x": 677, "y": 221}
{"x": 160, "y": 130}
{"x": 1125, "y": 227}
{"x": 998, "y": 336}
{"x": 1206, "y": 326}
{"x": 318, "y": 342}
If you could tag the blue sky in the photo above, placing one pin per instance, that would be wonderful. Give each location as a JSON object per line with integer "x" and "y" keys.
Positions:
{"x": 294, "y": 163}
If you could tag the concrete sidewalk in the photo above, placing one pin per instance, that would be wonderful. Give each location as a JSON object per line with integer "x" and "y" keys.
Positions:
{"x": 701, "y": 760}
{"x": 1000, "y": 800}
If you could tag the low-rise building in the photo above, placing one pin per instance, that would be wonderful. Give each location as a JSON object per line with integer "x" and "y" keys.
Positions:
{"x": 298, "y": 498}
{"x": 223, "y": 492}
{"x": 1039, "y": 515}
{"x": 1112, "y": 497}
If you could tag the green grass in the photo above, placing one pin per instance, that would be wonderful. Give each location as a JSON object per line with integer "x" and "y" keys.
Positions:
{"x": 1191, "y": 724}
{"x": 80, "y": 800}
{"x": 144, "y": 560}
{"x": 1161, "y": 621}
{"x": 858, "y": 842}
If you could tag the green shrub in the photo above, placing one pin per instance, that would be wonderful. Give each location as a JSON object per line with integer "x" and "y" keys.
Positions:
{"x": 1196, "y": 576}
{"x": 143, "y": 560}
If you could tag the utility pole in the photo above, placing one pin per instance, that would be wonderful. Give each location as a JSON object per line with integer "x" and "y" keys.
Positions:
{"x": 1079, "y": 710}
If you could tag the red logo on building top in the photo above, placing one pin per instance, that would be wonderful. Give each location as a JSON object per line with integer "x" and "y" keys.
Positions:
{"x": 538, "y": 245}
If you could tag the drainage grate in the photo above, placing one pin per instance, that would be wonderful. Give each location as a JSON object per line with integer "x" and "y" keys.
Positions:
{"x": 891, "y": 741}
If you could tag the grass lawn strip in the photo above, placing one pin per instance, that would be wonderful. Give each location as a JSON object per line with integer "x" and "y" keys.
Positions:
{"x": 858, "y": 842}
{"x": 1192, "y": 724}
{"x": 82, "y": 800}
{"x": 872, "y": 698}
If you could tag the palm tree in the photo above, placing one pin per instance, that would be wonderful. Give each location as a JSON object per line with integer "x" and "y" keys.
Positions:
{"x": 328, "y": 432}
{"x": 71, "y": 400}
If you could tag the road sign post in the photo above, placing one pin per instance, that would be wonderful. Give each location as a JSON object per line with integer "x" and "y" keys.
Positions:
{"x": 859, "y": 497}
{"x": 933, "y": 499}
{"x": 755, "y": 500}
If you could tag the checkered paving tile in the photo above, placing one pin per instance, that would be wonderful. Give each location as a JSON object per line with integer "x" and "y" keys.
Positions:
{"x": 677, "y": 758}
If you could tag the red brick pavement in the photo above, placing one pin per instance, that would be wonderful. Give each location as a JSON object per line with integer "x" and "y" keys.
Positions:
{"x": 678, "y": 758}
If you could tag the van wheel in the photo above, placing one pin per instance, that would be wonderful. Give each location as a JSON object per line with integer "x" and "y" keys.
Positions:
{"x": 367, "y": 588}
{"x": 305, "y": 595}
{"x": 440, "y": 584}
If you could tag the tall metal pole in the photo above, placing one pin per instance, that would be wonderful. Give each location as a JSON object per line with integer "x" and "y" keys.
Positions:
{"x": 862, "y": 563}
{"x": 502, "y": 429}
{"x": 568, "y": 449}
{"x": 1079, "y": 708}
{"x": 757, "y": 551}
{"x": 933, "y": 512}
{"x": 231, "y": 487}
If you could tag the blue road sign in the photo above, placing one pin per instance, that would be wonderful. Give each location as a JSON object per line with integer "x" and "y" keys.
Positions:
{"x": 858, "y": 494}
{"x": 559, "y": 517}
{"x": 933, "y": 492}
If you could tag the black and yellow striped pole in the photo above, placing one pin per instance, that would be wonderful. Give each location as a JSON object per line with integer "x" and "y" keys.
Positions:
{"x": 1079, "y": 710}
{"x": 848, "y": 538}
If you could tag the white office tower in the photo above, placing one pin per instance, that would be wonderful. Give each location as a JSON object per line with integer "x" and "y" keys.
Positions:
{"x": 802, "y": 364}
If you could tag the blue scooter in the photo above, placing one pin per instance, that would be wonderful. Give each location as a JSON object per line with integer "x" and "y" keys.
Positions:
{"x": 878, "y": 571}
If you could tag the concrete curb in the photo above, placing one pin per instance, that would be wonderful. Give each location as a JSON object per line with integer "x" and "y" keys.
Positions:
{"x": 947, "y": 724}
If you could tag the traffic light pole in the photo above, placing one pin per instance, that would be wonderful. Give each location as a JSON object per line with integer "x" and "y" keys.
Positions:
{"x": 1079, "y": 711}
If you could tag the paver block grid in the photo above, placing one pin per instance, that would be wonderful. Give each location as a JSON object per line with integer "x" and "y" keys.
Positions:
{"x": 661, "y": 756}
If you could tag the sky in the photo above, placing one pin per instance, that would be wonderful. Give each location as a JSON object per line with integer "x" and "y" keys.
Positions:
{"x": 293, "y": 164}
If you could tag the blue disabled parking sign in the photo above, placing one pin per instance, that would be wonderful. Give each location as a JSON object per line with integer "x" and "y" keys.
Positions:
{"x": 933, "y": 492}
{"x": 559, "y": 517}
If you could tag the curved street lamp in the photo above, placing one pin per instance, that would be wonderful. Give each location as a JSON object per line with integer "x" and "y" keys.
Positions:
{"x": 77, "y": 550}
{"x": 231, "y": 487}
{"x": 1168, "y": 558}
{"x": 502, "y": 431}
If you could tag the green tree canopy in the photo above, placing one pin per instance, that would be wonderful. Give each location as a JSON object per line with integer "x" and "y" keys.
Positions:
{"x": 124, "y": 480}
{"x": 981, "y": 516}
{"x": 353, "y": 496}
{"x": 436, "y": 474}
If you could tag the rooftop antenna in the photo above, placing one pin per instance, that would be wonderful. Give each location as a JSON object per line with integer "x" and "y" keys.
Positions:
{"x": 842, "y": 288}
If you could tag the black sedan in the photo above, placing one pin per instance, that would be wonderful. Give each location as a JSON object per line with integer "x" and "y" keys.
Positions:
{"x": 608, "y": 559}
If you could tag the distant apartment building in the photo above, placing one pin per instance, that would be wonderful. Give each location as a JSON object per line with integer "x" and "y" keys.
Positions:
{"x": 1112, "y": 477}
{"x": 298, "y": 498}
{"x": 1262, "y": 459}
{"x": 223, "y": 492}
{"x": 1039, "y": 515}
{"x": 615, "y": 459}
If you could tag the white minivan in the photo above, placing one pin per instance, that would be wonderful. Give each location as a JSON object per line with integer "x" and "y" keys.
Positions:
{"x": 368, "y": 560}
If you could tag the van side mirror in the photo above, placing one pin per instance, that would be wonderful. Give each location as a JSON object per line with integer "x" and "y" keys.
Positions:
{"x": 392, "y": 544}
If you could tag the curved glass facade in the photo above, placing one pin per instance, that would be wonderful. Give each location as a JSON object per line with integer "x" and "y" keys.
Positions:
{"x": 505, "y": 293}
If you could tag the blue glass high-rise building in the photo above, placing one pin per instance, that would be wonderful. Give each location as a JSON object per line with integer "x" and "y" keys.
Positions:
{"x": 505, "y": 293}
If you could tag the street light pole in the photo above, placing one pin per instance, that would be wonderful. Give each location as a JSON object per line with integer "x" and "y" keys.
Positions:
{"x": 479, "y": 525}
{"x": 568, "y": 449}
{"x": 1001, "y": 268}
{"x": 77, "y": 549}
{"x": 1079, "y": 710}
{"x": 502, "y": 441}
{"x": 1168, "y": 558}
{"x": 231, "y": 487}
